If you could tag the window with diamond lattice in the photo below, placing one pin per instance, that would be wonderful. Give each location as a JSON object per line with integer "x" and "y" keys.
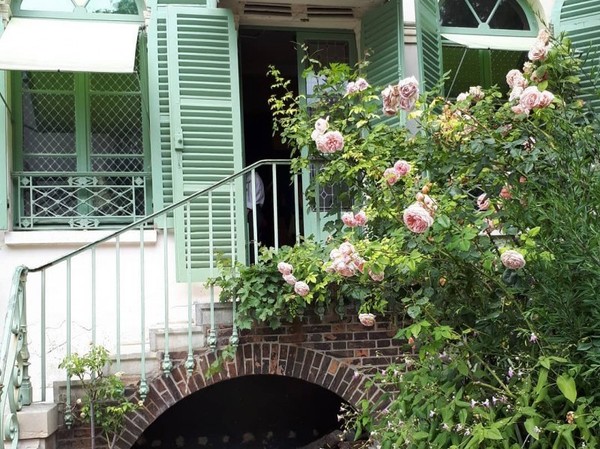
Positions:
{"x": 483, "y": 67}
{"x": 80, "y": 159}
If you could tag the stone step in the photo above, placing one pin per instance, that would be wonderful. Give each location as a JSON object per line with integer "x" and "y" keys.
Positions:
{"x": 38, "y": 423}
{"x": 223, "y": 314}
{"x": 178, "y": 338}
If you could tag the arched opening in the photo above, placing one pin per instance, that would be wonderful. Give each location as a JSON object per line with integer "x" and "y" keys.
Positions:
{"x": 257, "y": 411}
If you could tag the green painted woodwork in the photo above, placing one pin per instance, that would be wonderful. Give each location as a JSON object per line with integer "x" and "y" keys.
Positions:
{"x": 580, "y": 19}
{"x": 72, "y": 127}
{"x": 429, "y": 43}
{"x": 184, "y": 2}
{"x": 205, "y": 131}
{"x": 383, "y": 39}
{"x": 4, "y": 136}
{"x": 327, "y": 47}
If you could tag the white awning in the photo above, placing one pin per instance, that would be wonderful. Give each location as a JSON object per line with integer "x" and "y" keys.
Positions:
{"x": 68, "y": 45}
{"x": 491, "y": 42}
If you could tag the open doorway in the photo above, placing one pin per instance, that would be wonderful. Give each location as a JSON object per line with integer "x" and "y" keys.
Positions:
{"x": 260, "y": 48}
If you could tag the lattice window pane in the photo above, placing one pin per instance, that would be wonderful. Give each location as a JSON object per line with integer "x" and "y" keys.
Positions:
{"x": 116, "y": 123}
{"x": 48, "y": 105}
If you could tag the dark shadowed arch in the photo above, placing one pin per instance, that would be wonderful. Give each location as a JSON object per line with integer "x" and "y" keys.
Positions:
{"x": 252, "y": 358}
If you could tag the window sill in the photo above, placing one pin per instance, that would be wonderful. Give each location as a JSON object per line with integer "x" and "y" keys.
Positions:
{"x": 82, "y": 237}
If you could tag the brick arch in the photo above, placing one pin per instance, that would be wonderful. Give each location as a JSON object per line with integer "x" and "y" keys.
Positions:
{"x": 288, "y": 360}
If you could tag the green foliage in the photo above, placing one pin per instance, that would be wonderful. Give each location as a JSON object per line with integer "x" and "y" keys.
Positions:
{"x": 499, "y": 354}
{"x": 104, "y": 403}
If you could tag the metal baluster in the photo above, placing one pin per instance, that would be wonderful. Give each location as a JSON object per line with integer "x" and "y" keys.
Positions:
{"x": 167, "y": 364}
{"x": 318, "y": 203}
{"x": 143, "y": 388}
{"x": 94, "y": 295}
{"x": 118, "y": 298}
{"x": 254, "y": 215}
{"x": 212, "y": 335}
{"x": 234, "y": 339}
{"x": 43, "y": 334}
{"x": 189, "y": 362}
{"x": 297, "y": 209}
{"x": 68, "y": 415}
{"x": 275, "y": 208}
{"x": 25, "y": 392}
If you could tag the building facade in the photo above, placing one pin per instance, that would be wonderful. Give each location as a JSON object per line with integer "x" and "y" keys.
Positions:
{"x": 113, "y": 110}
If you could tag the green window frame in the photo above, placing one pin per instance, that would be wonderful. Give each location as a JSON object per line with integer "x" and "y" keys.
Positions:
{"x": 483, "y": 67}
{"x": 80, "y": 149}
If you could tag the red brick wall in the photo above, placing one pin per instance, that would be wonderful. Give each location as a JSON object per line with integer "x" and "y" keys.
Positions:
{"x": 337, "y": 354}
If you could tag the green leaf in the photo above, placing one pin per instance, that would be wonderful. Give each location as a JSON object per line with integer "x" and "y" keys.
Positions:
{"x": 414, "y": 311}
{"x": 566, "y": 385}
{"x": 492, "y": 434}
{"x": 532, "y": 428}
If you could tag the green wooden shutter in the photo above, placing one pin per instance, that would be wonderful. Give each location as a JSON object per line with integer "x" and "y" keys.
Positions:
{"x": 160, "y": 133}
{"x": 580, "y": 19}
{"x": 383, "y": 38}
{"x": 4, "y": 172}
{"x": 205, "y": 131}
{"x": 429, "y": 43}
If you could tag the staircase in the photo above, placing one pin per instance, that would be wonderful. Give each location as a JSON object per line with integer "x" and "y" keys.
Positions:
{"x": 123, "y": 292}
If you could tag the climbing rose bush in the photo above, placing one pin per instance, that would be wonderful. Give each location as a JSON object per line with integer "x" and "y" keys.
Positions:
{"x": 481, "y": 241}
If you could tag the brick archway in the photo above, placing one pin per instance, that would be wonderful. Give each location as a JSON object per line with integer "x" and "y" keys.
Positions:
{"x": 251, "y": 358}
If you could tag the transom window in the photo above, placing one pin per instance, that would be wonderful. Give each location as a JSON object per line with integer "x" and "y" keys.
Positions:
{"x": 129, "y": 7}
{"x": 484, "y": 14}
{"x": 483, "y": 20}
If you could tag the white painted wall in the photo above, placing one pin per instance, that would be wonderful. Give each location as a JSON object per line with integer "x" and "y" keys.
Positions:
{"x": 34, "y": 248}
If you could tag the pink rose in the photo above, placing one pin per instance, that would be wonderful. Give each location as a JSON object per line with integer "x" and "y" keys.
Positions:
{"x": 335, "y": 253}
{"x": 322, "y": 125}
{"x": 512, "y": 259}
{"x": 301, "y": 288}
{"x": 330, "y": 142}
{"x": 505, "y": 193}
{"x": 402, "y": 167}
{"x": 528, "y": 68}
{"x": 390, "y": 97}
{"x": 348, "y": 219}
{"x": 476, "y": 92}
{"x": 315, "y": 135}
{"x": 285, "y": 268}
{"x": 391, "y": 176}
{"x": 538, "y": 52}
{"x": 515, "y": 78}
{"x": 409, "y": 87}
{"x": 462, "y": 96}
{"x": 483, "y": 202}
{"x": 518, "y": 109}
{"x": 361, "y": 84}
{"x": 358, "y": 262}
{"x": 417, "y": 218}
{"x": 428, "y": 203}
{"x": 407, "y": 104}
{"x": 290, "y": 279}
{"x": 544, "y": 36}
{"x": 351, "y": 88}
{"x": 360, "y": 218}
{"x": 546, "y": 99}
{"x": 346, "y": 248}
{"x": 366, "y": 319}
{"x": 377, "y": 277}
{"x": 515, "y": 93}
{"x": 530, "y": 98}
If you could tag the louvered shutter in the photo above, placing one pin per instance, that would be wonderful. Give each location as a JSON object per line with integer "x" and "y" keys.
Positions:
{"x": 205, "y": 133}
{"x": 383, "y": 37}
{"x": 4, "y": 177}
{"x": 580, "y": 19}
{"x": 160, "y": 135}
{"x": 429, "y": 43}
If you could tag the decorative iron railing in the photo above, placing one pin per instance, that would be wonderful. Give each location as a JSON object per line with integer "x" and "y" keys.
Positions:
{"x": 80, "y": 200}
{"x": 86, "y": 285}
